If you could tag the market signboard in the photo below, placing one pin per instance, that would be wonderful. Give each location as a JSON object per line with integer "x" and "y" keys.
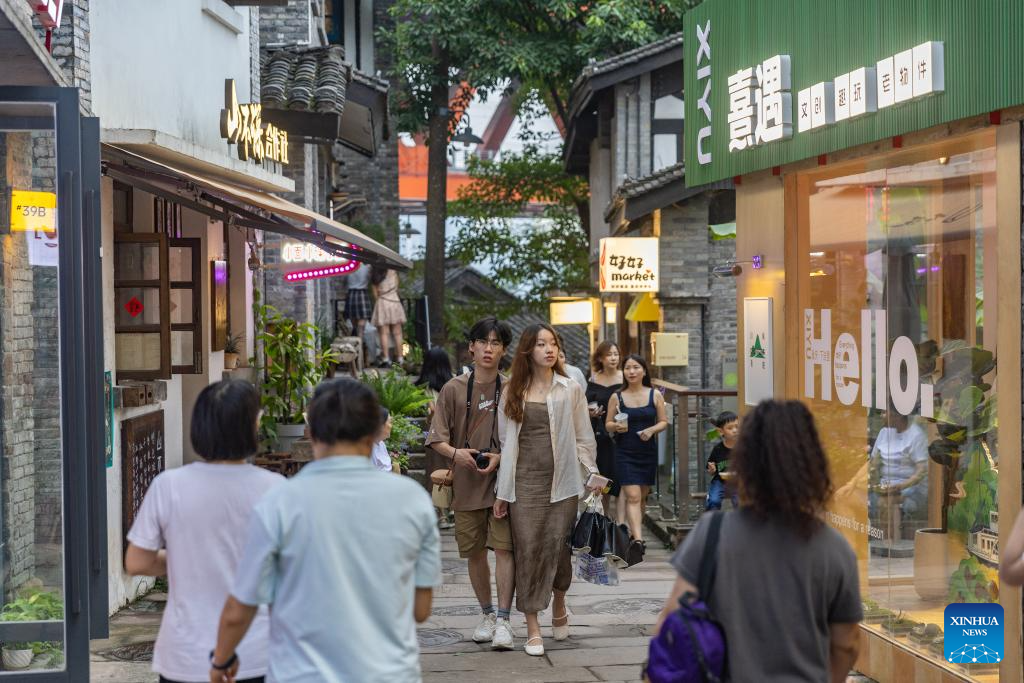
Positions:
{"x": 629, "y": 264}
{"x": 775, "y": 83}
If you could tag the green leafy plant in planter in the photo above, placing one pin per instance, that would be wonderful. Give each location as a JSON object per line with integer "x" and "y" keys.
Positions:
{"x": 295, "y": 363}
{"x": 398, "y": 393}
{"x": 36, "y": 605}
{"x": 965, "y": 420}
{"x": 232, "y": 349}
{"x": 964, "y": 417}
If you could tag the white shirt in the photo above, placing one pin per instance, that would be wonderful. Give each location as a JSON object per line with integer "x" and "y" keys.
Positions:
{"x": 380, "y": 457}
{"x": 901, "y": 452}
{"x": 572, "y": 442}
{"x": 200, "y": 514}
{"x": 338, "y": 551}
{"x": 577, "y": 375}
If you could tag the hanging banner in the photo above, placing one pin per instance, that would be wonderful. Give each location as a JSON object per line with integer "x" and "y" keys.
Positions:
{"x": 758, "y": 370}
{"x": 629, "y": 264}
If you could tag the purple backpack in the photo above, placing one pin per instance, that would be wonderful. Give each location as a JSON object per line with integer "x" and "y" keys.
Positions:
{"x": 690, "y": 647}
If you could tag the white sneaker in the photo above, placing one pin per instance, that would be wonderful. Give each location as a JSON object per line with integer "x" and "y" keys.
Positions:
{"x": 502, "y": 636}
{"x": 484, "y": 633}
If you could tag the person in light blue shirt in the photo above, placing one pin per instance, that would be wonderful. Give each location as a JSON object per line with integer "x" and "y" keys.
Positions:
{"x": 345, "y": 555}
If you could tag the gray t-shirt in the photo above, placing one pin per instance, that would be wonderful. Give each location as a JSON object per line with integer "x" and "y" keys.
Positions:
{"x": 775, "y": 595}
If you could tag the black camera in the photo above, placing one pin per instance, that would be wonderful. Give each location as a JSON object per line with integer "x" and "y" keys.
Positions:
{"x": 482, "y": 461}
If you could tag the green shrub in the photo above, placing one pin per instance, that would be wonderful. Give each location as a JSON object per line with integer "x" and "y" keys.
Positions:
{"x": 398, "y": 394}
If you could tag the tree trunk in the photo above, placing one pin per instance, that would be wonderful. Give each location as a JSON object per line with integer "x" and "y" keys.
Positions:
{"x": 437, "y": 201}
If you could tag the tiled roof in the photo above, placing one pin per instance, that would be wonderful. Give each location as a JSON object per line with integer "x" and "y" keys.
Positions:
{"x": 671, "y": 42}
{"x": 374, "y": 82}
{"x": 639, "y": 186}
{"x": 305, "y": 79}
{"x": 577, "y": 344}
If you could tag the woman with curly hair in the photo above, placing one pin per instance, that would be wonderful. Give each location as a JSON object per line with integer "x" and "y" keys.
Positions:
{"x": 778, "y": 562}
{"x": 545, "y": 437}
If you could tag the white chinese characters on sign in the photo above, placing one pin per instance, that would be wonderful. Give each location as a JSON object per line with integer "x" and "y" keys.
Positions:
{"x": 908, "y": 75}
{"x": 760, "y": 104}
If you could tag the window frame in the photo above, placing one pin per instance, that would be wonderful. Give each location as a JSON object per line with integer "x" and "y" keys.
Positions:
{"x": 196, "y": 286}
{"x": 164, "y": 326}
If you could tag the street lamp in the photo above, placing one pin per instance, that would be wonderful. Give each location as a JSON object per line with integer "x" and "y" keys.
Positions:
{"x": 466, "y": 135}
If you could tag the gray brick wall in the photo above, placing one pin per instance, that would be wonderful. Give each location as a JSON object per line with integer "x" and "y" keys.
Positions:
{"x": 286, "y": 25}
{"x": 254, "y": 53}
{"x": 71, "y": 48}
{"x": 17, "y": 389}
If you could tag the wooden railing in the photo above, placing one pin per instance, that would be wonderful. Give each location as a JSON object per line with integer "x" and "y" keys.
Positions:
{"x": 687, "y": 406}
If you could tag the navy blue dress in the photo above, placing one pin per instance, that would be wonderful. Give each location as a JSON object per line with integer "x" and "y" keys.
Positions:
{"x": 636, "y": 461}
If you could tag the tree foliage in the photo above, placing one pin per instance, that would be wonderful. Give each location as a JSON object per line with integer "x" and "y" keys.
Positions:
{"x": 548, "y": 251}
{"x": 541, "y": 44}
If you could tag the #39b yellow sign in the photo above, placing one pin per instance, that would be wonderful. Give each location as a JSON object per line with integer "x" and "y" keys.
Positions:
{"x": 33, "y": 211}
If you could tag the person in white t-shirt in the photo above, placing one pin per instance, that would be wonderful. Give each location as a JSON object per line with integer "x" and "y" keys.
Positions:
{"x": 192, "y": 526}
{"x": 380, "y": 457}
{"x": 898, "y": 465}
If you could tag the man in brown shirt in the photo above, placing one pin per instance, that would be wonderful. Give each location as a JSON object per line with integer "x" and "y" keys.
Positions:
{"x": 465, "y": 426}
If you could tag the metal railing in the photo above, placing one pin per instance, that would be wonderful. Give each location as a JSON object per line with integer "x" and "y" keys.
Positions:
{"x": 682, "y": 452}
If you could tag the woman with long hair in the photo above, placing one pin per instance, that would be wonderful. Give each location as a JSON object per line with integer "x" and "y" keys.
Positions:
{"x": 777, "y": 561}
{"x": 606, "y": 380}
{"x": 436, "y": 370}
{"x": 434, "y": 374}
{"x": 388, "y": 314}
{"x": 545, "y": 435}
{"x": 636, "y": 413}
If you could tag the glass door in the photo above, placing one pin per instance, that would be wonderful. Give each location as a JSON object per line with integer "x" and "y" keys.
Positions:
{"x": 46, "y": 438}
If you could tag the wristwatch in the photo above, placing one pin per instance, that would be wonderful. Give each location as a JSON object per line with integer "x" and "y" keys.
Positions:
{"x": 226, "y": 665}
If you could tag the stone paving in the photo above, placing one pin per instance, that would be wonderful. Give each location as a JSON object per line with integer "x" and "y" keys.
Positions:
{"x": 610, "y": 632}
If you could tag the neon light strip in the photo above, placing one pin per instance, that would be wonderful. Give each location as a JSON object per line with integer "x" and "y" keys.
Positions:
{"x": 329, "y": 271}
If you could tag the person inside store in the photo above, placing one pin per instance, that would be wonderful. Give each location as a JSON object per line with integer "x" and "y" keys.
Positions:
{"x": 728, "y": 425}
{"x": 545, "y": 437}
{"x": 897, "y": 473}
{"x": 388, "y": 313}
{"x": 173, "y": 535}
{"x": 604, "y": 382}
{"x": 636, "y": 415}
{"x": 435, "y": 372}
{"x": 346, "y": 572}
{"x": 464, "y": 431}
{"x": 786, "y": 587}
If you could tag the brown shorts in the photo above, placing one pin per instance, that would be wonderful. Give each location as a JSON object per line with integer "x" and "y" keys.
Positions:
{"x": 476, "y": 530}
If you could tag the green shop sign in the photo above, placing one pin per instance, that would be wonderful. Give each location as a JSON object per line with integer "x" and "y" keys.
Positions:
{"x": 769, "y": 83}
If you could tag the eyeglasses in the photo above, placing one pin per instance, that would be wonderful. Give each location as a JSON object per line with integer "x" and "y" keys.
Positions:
{"x": 490, "y": 343}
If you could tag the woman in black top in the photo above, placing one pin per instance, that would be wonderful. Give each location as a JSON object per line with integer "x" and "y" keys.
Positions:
{"x": 606, "y": 380}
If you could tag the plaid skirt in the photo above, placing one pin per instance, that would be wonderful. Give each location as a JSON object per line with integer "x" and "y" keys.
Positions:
{"x": 357, "y": 305}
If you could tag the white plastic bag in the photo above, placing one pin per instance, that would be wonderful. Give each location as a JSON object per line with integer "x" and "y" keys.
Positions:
{"x": 596, "y": 570}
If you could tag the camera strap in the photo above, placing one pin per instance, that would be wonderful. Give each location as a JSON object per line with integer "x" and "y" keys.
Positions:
{"x": 494, "y": 408}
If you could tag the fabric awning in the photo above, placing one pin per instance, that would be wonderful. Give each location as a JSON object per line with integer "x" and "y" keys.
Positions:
{"x": 644, "y": 309}
{"x": 247, "y": 207}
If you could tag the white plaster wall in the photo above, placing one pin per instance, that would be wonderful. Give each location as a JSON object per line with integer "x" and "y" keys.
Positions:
{"x": 123, "y": 588}
{"x": 161, "y": 66}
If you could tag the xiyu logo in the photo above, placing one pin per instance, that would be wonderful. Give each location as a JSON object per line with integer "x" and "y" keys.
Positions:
{"x": 973, "y": 633}
{"x": 703, "y": 103}
{"x": 845, "y": 364}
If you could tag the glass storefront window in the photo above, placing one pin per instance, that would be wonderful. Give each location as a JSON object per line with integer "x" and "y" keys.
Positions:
{"x": 898, "y": 303}
{"x": 32, "y": 615}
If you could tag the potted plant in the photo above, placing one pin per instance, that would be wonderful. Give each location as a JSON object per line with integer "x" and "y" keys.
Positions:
{"x": 231, "y": 350}
{"x": 32, "y": 605}
{"x": 965, "y": 415}
{"x": 17, "y": 655}
{"x": 295, "y": 363}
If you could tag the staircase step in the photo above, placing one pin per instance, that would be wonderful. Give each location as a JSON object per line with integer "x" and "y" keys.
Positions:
{"x": 417, "y": 461}
{"x": 420, "y": 476}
